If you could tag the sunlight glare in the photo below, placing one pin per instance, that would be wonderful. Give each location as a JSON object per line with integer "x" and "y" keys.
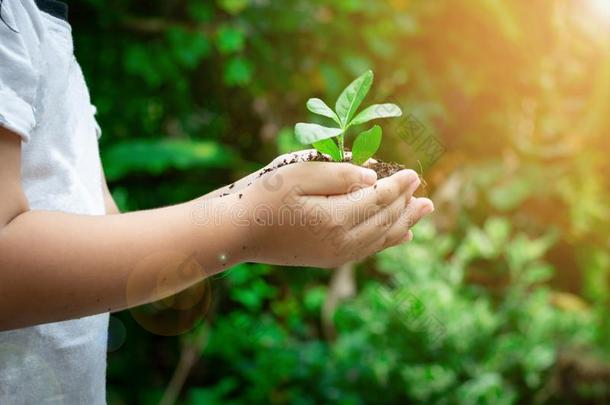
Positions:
{"x": 601, "y": 9}
{"x": 594, "y": 15}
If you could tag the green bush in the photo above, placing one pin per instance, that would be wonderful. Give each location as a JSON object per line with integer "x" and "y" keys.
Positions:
{"x": 418, "y": 333}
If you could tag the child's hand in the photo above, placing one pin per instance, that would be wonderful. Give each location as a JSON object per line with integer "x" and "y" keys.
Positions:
{"x": 325, "y": 214}
{"x": 241, "y": 184}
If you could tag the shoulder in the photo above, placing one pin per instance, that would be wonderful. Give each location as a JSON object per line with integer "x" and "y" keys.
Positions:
{"x": 22, "y": 32}
{"x": 21, "y": 17}
{"x": 21, "y": 39}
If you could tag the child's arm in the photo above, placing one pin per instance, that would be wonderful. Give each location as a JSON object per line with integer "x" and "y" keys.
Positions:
{"x": 56, "y": 266}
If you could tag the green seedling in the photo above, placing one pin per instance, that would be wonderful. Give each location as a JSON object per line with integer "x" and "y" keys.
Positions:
{"x": 331, "y": 141}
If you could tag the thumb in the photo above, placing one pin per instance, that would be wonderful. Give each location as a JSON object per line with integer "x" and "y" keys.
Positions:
{"x": 321, "y": 178}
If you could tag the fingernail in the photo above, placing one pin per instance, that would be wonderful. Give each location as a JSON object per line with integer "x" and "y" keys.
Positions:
{"x": 410, "y": 175}
{"x": 426, "y": 209}
{"x": 413, "y": 184}
{"x": 408, "y": 237}
{"x": 369, "y": 176}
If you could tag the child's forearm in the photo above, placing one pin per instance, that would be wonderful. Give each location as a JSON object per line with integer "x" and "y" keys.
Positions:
{"x": 56, "y": 266}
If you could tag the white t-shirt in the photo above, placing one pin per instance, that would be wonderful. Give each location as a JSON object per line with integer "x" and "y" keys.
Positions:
{"x": 44, "y": 99}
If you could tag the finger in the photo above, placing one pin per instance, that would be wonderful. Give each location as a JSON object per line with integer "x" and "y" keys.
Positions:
{"x": 363, "y": 204}
{"x": 401, "y": 232}
{"x": 363, "y": 235}
{"x": 379, "y": 246}
{"x": 320, "y": 178}
{"x": 414, "y": 212}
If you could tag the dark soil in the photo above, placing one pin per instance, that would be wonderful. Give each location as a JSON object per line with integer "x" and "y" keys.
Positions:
{"x": 385, "y": 169}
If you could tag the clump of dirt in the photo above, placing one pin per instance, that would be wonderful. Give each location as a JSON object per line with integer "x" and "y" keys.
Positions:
{"x": 385, "y": 169}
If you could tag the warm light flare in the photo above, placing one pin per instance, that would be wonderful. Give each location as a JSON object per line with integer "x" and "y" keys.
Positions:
{"x": 600, "y": 10}
{"x": 594, "y": 18}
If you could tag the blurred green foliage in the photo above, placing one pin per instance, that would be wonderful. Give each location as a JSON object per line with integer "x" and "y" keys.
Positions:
{"x": 502, "y": 298}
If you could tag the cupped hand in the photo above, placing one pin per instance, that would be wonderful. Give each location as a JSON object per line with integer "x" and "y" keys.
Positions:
{"x": 325, "y": 214}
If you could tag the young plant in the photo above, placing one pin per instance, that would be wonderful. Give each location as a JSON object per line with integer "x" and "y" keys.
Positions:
{"x": 331, "y": 141}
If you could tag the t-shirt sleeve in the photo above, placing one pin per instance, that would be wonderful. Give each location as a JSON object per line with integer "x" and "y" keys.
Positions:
{"x": 19, "y": 48}
{"x": 98, "y": 129}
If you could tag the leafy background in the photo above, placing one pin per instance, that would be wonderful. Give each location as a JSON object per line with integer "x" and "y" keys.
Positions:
{"x": 501, "y": 298}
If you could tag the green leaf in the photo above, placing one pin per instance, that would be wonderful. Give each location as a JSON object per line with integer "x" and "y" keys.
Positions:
{"x": 329, "y": 147}
{"x": 377, "y": 111}
{"x": 200, "y": 11}
{"x": 286, "y": 142}
{"x": 351, "y": 98}
{"x": 154, "y": 157}
{"x": 238, "y": 72}
{"x": 189, "y": 48}
{"x": 510, "y": 195}
{"x": 229, "y": 40}
{"x": 310, "y": 133}
{"x": 233, "y": 7}
{"x": 317, "y": 106}
{"x": 366, "y": 144}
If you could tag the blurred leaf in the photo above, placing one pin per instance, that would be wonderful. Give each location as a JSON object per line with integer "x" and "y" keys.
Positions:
{"x": 314, "y": 299}
{"x": 134, "y": 62}
{"x": 201, "y": 11}
{"x": 523, "y": 250}
{"x": 355, "y": 64}
{"x": 287, "y": 142}
{"x": 332, "y": 78}
{"x": 233, "y": 6}
{"x": 211, "y": 395}
{"x": 538, "y": 273}
{"x": 238, "y": 72}
{"x": 253, "y": 297}
{"x": 509, "y": 195}
{"x": 155, "y": 157}
{"x": 498, "y": 230}
{"x": 188, "y": 47}
{"x": 229, "y": 40}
